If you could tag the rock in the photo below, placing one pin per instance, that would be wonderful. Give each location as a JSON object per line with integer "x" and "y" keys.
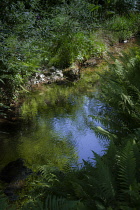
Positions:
{"x": 123, "y": 41}
{"x": 55, "y": 78}
{"x": 14, "y": 174}
{"x": 47, "y": 74}
{"x": 12, "y": 188}
{"x": 37, "y": 78}
{"x": 59, "y": 73}
{"x": 72, "y": 73}
{"x": 90, "y": 62}
{"x": 15, "y": 170}
{"x": 52, "y": 69}
{"x": 53, "y": 74}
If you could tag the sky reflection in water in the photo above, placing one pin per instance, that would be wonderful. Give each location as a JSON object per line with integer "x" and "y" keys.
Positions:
{"x": 52, "y": 125}
{"x": 80, "y": 133}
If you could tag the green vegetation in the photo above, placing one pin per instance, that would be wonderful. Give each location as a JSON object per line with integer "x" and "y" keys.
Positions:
{"x": 113, "y": 180}
{"x": 39, "y": 33}
{"x": 44, "y": 33}
{"x": 122, "y": 87}
{"x": 122, "y": 27}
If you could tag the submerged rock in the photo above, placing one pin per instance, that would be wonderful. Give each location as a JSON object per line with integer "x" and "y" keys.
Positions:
{"x": 14, "y": 174}
{"x": 15, "y": 170}
{"x": 13, "y": 188}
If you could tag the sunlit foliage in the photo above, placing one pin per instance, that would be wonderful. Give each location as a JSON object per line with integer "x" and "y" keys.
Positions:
{"x": 40, "y": 33}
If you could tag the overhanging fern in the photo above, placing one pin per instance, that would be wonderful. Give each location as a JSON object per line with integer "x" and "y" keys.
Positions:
{"x": 126, "y": 171}
{"x": 105, "y": 180}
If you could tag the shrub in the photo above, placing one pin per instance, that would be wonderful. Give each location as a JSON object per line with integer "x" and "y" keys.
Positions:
{"x": 68, "y": 43}
{"x": 123, "y": 27}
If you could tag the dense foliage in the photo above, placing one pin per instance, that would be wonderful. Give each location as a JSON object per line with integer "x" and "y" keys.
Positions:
{"x": 44, "y": 33}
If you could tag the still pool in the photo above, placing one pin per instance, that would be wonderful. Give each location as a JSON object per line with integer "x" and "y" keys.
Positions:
{"x": 53, "y": 129}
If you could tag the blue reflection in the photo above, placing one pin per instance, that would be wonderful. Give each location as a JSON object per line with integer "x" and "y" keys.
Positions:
{"x": 78, "y": 131}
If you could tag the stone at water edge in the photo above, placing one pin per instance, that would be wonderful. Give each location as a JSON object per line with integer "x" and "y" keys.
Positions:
{"x": 15, "y": 170}
{"x": 72, "y": 73}
{"x": 14, "y": 173}
{"x": 90, "y": 62}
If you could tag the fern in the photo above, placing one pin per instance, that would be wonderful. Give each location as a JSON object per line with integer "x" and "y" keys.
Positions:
{"x": 99, "y": 131}
{"x": 111, "y": 155}
{"x": 105, "y": 180}
{"x": 127, "y": 170}
{"x": 4, "y": 203}
{"x": 79, "y": 191}
{"x": 120, "y": 94}
{"x": 53, "y": 202}
{"x": 127, "y": 165}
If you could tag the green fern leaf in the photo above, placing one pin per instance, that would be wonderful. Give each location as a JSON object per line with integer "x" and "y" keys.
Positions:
{"x": 105, "y": 179}
{"x": 4, "y": 203}
{"x": 127, "y": 166}
{"x": 79, "y": 191}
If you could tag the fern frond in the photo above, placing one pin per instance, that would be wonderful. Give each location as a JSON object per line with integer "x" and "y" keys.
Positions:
{"x": 53, "y": 202}
{"x": 100, "y": 132}
{"x": 127, "y": 166}
{"x": 4, "y": 203}
{"x": 110, "y": 155}
{"x": 126, "y": 172}
{"x": 79, "y": 191}
{"x": 105, "y": 179}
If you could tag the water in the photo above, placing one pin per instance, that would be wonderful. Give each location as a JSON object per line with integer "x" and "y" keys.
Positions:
{"x": 52, "y": 130}
{"x": 79, "y": 131}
